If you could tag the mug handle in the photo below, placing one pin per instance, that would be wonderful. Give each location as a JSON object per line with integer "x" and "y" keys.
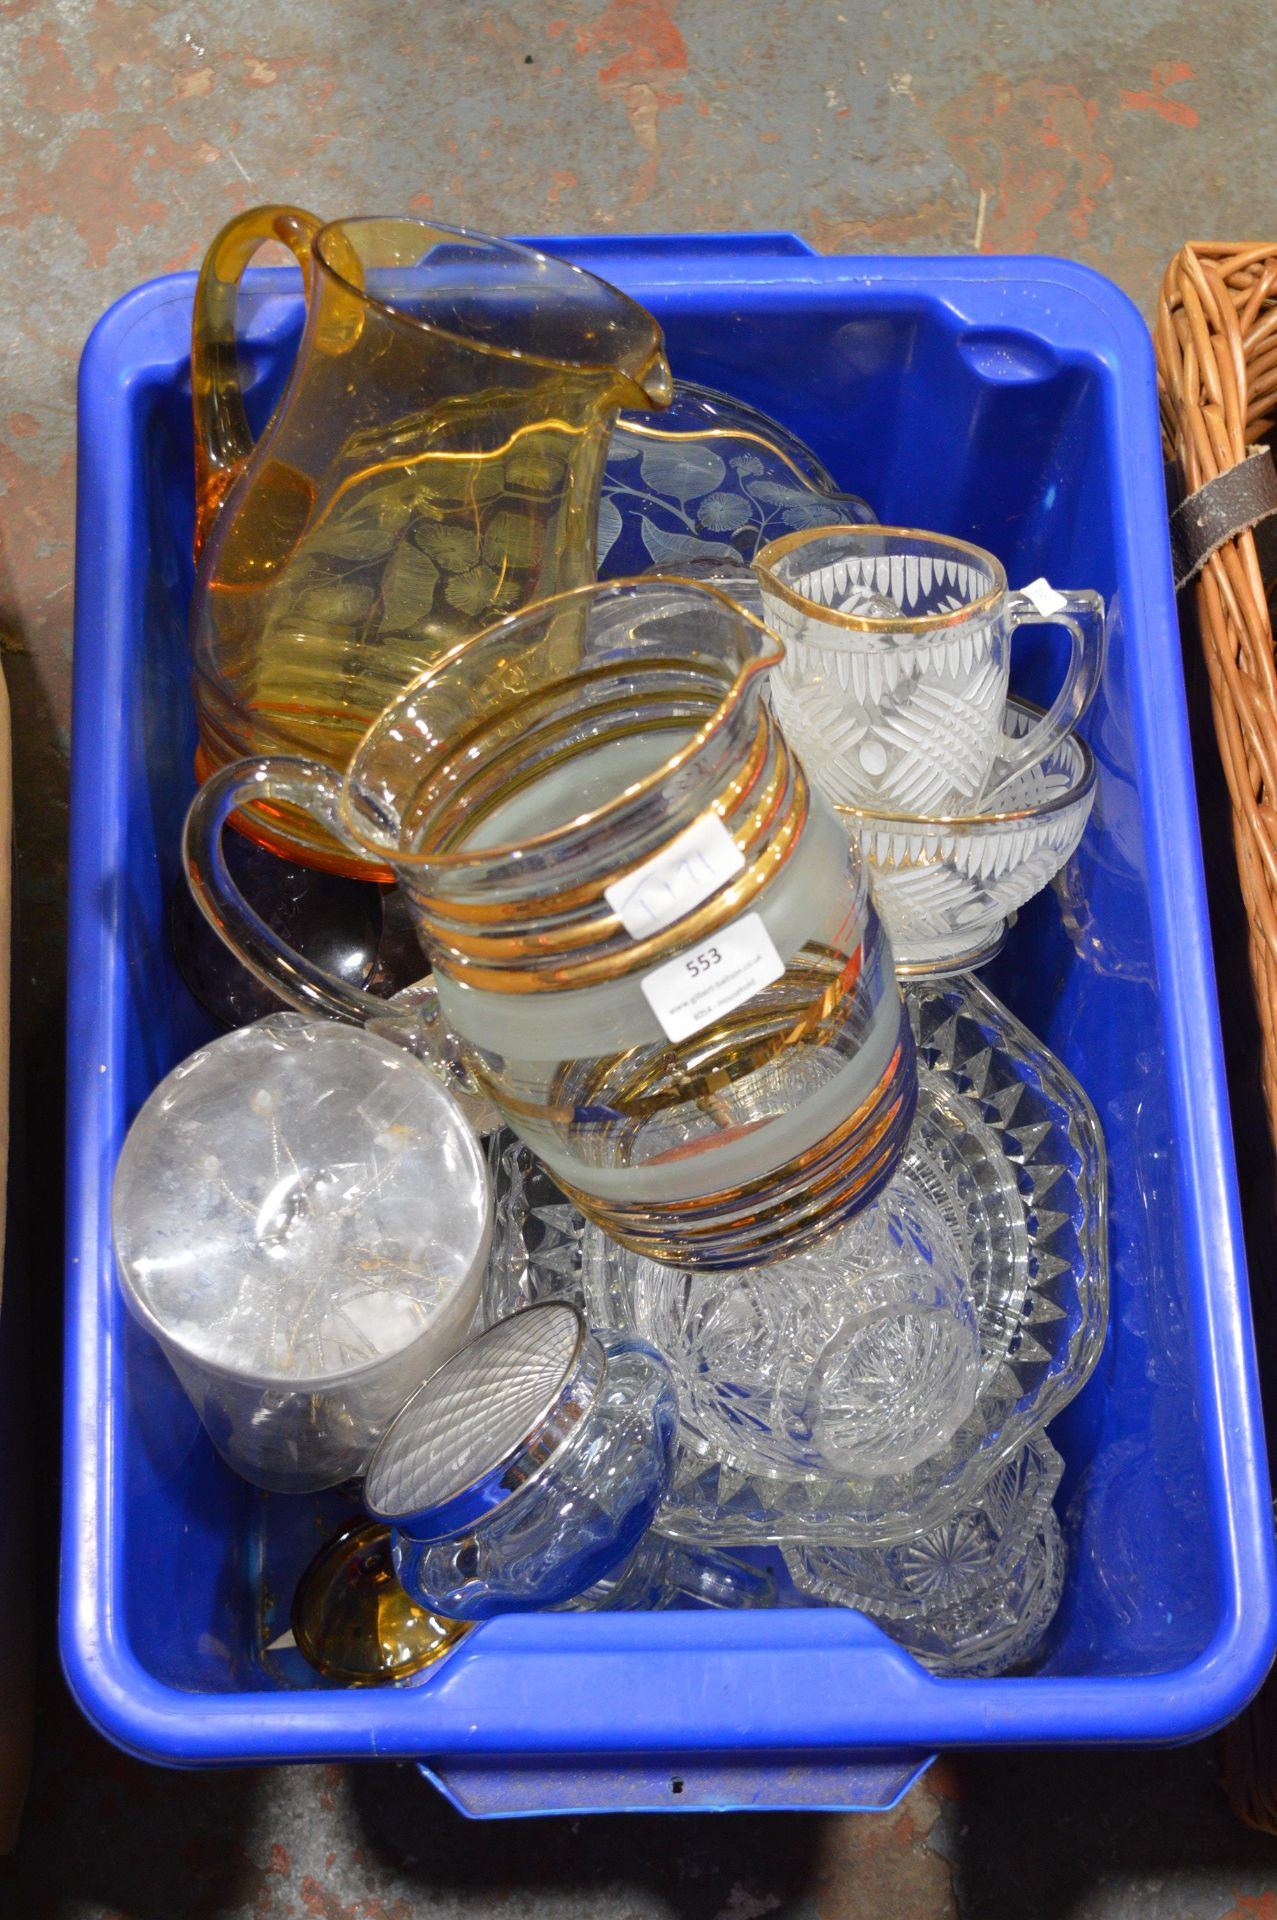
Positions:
{"x": 1082, "y": 613}
{"x": 223, "y": 438}
{"x": 316, "y": 789}
{"x": 413, "y": 1019}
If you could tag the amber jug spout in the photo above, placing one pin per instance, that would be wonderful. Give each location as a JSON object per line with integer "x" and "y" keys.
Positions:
{"x": 433, "y": 464}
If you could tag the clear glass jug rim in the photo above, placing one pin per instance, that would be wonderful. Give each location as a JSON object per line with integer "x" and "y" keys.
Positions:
{"x": 765, "y": 561}
{"x": 771, "y": 651}
{"x": 496, "y": 244}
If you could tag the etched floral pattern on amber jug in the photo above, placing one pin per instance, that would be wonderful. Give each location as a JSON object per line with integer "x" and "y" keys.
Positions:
{"x": 434, "y": 463}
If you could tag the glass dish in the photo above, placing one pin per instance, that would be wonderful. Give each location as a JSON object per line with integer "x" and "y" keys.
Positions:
{"x": 995, "y": 1630}
{"x": 706, "y": 487}
{"x": 945, "y": 888}
{"x": 860, "y": 1355}
{"x": 1049, "y": 1135}
{"x": 995, "y": 1104}
{"x": 543, "y": 1248}
{"x": 979, "y": 1548}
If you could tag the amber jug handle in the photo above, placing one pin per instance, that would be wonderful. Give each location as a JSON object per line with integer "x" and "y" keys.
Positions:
{"x": 223, "y": 439}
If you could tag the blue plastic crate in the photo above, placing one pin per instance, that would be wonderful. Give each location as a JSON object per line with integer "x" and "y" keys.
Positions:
{"x": 1011, "y": 402}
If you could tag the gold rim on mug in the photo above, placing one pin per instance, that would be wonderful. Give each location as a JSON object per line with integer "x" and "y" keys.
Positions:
{"x": 776, "y": 550}
{"x": 459, "y": 861}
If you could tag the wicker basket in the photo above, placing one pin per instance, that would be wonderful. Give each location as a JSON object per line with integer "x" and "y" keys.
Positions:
{"x": 1216, "y": 338}
{"x": 1217, "y": 375}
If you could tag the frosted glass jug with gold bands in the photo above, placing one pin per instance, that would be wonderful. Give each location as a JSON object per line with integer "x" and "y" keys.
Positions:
{"x": 434, "y": 462}
{"x": 648, "y": 931}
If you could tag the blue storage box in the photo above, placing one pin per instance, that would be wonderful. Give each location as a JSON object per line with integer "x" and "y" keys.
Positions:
{"x": 1011, "y": 402}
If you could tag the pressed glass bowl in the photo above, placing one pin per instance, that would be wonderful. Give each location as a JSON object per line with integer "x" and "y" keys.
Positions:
{"x": 860, "y": 1355}
{"x": 980, "y": 1548}
{"x": 706, "y": 483}
{"x": 945, "y": 887}
{"x": 543, "y": 1248}
{"x": 1033, "y": 1194}
{"x": 1048, "y": 1134}
{"x": 994, "y": 1631}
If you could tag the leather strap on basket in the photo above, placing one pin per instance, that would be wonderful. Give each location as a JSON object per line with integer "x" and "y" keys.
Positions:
{"x": 1230, "y": 504}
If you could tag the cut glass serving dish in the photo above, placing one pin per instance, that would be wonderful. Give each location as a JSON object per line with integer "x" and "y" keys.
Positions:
{"x": 994, "y": 1631}
{"x": 706, "y": 483}
{"x": 1024, "y": 1171}
{"x": 945, "y": 887}
{"x": 979, "y": 1548}
{"x": 858, "y": 1355}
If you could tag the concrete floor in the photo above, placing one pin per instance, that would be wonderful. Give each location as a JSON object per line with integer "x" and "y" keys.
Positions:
{"x": 129, "y": 132}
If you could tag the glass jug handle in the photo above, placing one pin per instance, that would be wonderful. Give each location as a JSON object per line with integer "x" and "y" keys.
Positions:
{"x": 412, "y": 1019}
{"x": 1081, "y": 613}
{"x": 290, "y": 781}
{"x": 223, "y": 439}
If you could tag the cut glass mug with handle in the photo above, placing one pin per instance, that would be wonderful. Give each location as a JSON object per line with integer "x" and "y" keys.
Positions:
{"x": 650, "y": 935}
{"x": 897, "y": 663}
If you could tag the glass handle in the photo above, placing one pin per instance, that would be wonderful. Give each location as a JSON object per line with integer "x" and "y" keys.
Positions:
{"x": 316, "y": 790}
{"x": 223, "y": 439}
{"x": 1082, "y": 614}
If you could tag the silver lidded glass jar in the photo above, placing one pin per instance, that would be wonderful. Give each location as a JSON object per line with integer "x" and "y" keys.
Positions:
{"x": 527, "y": 1467}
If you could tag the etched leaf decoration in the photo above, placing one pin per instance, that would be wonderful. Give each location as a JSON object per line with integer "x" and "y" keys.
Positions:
{"x": 808, "y": 510}
{"x": 780, "y": 493}
{"x": 747, "y": 463}
{"x": 364, "y": 525}
{"x": 682, "y": 472}
{"x": 725, "y": 512}
{"x": 663, "y": 547}
{"x": 610, "y": 524}
{"x": 408, "y": 588}
{"x": 472, "y": 592}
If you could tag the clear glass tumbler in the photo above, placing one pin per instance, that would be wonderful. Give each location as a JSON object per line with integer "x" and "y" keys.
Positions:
{"x": 302, "y": 1219}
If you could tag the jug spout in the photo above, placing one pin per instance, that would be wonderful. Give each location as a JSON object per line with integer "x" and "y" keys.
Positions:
{"x": 653, "y": 387}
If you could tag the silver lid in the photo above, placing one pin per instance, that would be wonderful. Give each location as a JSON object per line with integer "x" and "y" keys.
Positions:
{"x": 485, "y": 1422}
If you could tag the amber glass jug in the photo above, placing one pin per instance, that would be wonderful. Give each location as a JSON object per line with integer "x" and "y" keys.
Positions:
{"x": 434, "y": 463}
